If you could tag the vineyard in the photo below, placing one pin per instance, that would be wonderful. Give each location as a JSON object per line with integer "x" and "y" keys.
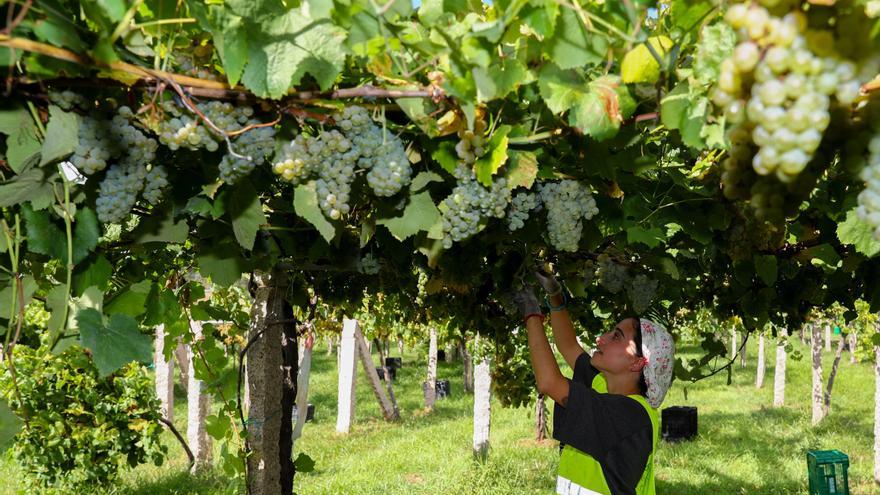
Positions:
{"x": 227, "y": 186}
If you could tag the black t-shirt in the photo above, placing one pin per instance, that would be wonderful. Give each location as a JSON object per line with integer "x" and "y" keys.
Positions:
{"x": 614, "y": 429}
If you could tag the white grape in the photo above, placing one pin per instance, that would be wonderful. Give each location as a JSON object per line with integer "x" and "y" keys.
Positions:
{"x": 567, "y": 203}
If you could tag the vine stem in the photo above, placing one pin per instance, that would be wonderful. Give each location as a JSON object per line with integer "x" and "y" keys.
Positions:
{"x": 212, "y": 89}
{"x": 189, "y": 454}
{"x": 68, "y": 227}
{"x": 12, "y": 241}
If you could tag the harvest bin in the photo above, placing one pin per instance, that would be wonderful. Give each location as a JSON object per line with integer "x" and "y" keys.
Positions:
{"x": 392, "y": 371}
{"x": 394, "y": 362}
{"x": 828, "y": 472}
{"x": 442, "y": 389}
{"x": 678, "y": 423}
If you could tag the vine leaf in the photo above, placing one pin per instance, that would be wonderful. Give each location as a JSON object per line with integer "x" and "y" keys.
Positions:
{"x": 27, "y": 186}
{"x": 571, "y": 45}
{"x": 56, "y": 303}
{"x": 420, "y": 214}
{"x": 596, "y": 108}
{"x": 498, "y": 80}
{"x": 305, "y": 203}
{"x": 22, "y": 145}
{"x": 45, "y": 237}
{"x": 132, "y": 301}
{"x": 859, "y": 234}
{"x": 765, "y": 265}
{"x": 113, "y": 343}
{"x": 223, "y": 264}
{"x": 10, "y": 425}
{"x": 61, "y": 135}
{"x": 522, "y": 169}
{"x": 495, "y": 156}
{"x": 247, "y": 214}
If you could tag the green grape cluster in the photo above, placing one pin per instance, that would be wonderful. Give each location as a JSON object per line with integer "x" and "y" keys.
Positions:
{"x": 466, "y": 209}
{"x": 611, "y": 275}
{"x": 641, "y": 291}
{"x": 789, "y": 72}
{"x": 186, "y": 130}
{"x": 94, "y": 147}
{"x": 67, "y": 100}
{"x": 332, "y": 157}
{"x": 119, "y": 190}
{"x": 568, "y": 203}
{"x": 252, "y": 148}
{"x": 520, "y": 207}
{"x": 471, "y": 144}
{"x": 368, "y": 264}
{"x": 155, "y": 183}
{"x": 868, "y": 209}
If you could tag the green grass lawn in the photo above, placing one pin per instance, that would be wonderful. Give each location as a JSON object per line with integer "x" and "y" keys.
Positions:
{"x": 744, "y": 445}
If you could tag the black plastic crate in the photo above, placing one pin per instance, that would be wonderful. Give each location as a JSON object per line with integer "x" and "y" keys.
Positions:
{"x": 678, "y": 423}
{"x": 394, "y": 362}
{"x": 391, "y": 371}
{"x": 441, "y": 355}
{"x": 310, "y": 413}
{"x": 441, "y": 389}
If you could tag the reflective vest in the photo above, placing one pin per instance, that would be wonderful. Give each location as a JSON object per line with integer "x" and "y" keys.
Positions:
{"x": 580, "y": 474}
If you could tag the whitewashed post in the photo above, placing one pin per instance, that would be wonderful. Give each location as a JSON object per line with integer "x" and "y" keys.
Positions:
{"x": 347, "y": 376}
{"x": 828, "y": 337}
{"x": 198, "y": 406}
{"x": 877, "y": 414}
{"x": 164, "y": 376}
{"x": 482, "y": 408}
{"x": 181, "y": 358}
{"x": 779, "y": 372}
{"x": 431, "y": 385}
{"x": 762, "y": 366}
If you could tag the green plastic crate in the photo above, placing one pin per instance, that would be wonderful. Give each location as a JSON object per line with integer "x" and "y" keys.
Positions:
{"x": 828, "y": 472}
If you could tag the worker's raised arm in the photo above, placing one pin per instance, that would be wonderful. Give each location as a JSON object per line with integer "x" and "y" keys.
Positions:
{"x": 560, "y": 321}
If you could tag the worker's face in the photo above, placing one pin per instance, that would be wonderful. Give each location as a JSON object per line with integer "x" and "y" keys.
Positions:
{"x": 616, "y": 349}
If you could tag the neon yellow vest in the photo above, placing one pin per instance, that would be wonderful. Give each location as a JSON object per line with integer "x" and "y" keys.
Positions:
{"x": 580, "y": 474}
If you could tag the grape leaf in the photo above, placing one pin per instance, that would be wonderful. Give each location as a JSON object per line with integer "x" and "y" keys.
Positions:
{"x": 305, "y": 203}
{"x": 114, "y": 343}
{"x": 495, "y": 157}
{"x": 498, "y": 80}
{"x": 22, "y": 144}
{"x": 571, "y": 45}
{"x": 61, "y": 135}
{"x": 858, "y": 233}
{"x": 420, "y": 214}
{"x": 10, "y": 425}
{"x": 161, "y": 227}
{"x": 27, "y": 186}
{"x": 765, "y": 265}
{"x": 222, "y": 263}
{"x": 597, "y": 107}
{"x": 95, "y": 273}
{"x": 246, "y": 212}
{"x": 522, "y": 169}
{"x": 130, "y": 301}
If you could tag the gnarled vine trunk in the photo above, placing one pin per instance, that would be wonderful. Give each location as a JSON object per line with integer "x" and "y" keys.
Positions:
{"x": 540, "y": 418}
{"x": 834, "y": 367}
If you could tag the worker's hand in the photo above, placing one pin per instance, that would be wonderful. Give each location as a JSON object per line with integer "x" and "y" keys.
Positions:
{"x": 526, "y": 301}
{"x": 548, "y": 281}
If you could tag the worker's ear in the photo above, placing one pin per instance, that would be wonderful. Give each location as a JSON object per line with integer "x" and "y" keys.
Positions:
{"x": 639, "y": 363}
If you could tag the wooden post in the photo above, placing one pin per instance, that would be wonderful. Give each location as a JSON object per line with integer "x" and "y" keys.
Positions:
{"x": 389, "y": 410}
{"x": 431, "y": 385}
{"x": 482, "y": 408}
{"x": 347, "y": 376}
{"x": 164, "y": 376}
{"x": 816, "y": 352}
{"x": 198, "y": 406}
{"x": 264, "y": 379}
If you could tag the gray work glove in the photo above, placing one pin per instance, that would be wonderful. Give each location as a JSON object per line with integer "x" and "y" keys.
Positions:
{"x": 551, "y": 286}
{"x": 526, "y": 301}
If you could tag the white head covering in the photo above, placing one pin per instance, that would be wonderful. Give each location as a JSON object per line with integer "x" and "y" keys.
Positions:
{"x": 659, "y": 350}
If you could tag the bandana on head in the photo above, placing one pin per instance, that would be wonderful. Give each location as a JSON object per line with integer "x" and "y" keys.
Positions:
{"x": 659, "y": 349}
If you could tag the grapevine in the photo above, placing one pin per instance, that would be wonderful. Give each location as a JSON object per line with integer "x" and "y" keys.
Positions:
{"x": 568, "y": 203}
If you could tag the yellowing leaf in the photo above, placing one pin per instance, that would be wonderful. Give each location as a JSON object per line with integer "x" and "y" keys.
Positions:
{"x": 639, "y": 64}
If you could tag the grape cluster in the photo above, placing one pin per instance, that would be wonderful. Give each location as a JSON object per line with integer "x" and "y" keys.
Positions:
{"x": 156, "y": 181}
{"x": 421, "y": 285}
{"x": 252, "y": 148}
{"x": 118, "y": 192}
{"x": 185, "y": 130}
{"x": 869, "y": 199}
{"x": 334, "y": 155}
{"x": 94, "y": 146}
{"x": 587, "y": 272}
{"x": 568, "y": 203}
{"x": 471, "y": 144}
{"x": 611, "y": 275}
{"x": 138, "y": 149}
{"x": 641, "y": 291}
{"x": 67, "y": 100}
{"x": 368, "y": 264}
{"x": 520, "y": 206}
{"x": 463, "y": 211}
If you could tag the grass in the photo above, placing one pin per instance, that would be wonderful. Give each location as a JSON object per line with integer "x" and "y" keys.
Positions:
{"x": 744, "y": 446}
